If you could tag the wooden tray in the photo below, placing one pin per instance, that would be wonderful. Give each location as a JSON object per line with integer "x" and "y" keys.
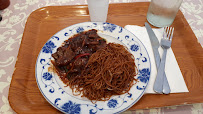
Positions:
{"x": 24, "y": 95}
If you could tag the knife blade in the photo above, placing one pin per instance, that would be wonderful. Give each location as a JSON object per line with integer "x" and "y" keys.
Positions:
{"x": 161, "y": 83}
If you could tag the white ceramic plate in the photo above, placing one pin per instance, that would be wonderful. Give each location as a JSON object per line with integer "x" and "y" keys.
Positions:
{"x": 62, "y": 98}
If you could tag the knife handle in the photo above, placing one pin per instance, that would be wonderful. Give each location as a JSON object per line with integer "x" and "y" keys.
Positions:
{"x": 158, "y": 85}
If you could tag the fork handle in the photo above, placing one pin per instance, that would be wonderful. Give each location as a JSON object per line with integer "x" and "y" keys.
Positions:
{"x": 158, "y": 84}
{"x": 166, "y": 87}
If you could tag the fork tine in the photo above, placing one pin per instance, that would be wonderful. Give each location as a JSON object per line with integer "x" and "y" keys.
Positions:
{"x": 172, "y": 33}
{"x": 164, "y": 34}
{"x": 166, "y": 31}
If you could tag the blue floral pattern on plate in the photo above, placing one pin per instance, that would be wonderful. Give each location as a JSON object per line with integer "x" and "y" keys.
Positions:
{"x": 48, "y": 47}
{"x": 144, "y": 75}
{"x": 47, "y": 76}
{"x": 112, "y": 103}
{"x": 80, "y": 29}
{"x": 109, "y": 27}
{"x": 62, "y": 97}
{"x": 71, "y": 108}
{"x": 134, "y": 47}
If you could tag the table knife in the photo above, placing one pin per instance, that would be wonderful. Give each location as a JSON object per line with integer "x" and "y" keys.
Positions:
{"x": 161, "y": 83}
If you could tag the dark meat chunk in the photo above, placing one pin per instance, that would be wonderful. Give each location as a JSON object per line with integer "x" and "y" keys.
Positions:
{"x": 83, "y": 37}
{"x": 55, "y": 56}
{"x": 79, "y": 65}
{"x": 75, "y": 70}
{"x": 71, "y": 58}
{"x": 58, "y": 53}
{"x": 102, "y": 44}
{"x": 86, "y": 50}
{"x": 93, "y": 35}
{"x": 64, "y": 56}
{"x": 94, "y": 42}
{"x": 67, "y": 43}
{"x": 93, "y": 31}
{"x": 76, "y": 42}
{"x": 79, "y": 50}
{"x": 80, "y": 62}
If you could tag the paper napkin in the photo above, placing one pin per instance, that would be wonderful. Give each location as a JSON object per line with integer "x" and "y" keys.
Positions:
{"x": 172, "y": 70}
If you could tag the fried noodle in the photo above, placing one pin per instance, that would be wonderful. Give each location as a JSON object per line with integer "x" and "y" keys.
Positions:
{"x": 109, "y": 71}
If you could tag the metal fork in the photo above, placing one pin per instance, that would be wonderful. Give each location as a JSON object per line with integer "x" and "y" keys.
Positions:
{"x": 165, "y": 44}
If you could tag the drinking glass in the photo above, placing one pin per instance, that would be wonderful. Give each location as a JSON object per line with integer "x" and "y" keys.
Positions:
{"x": 162, "y": 13}
{"x": 98, "y": 10}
